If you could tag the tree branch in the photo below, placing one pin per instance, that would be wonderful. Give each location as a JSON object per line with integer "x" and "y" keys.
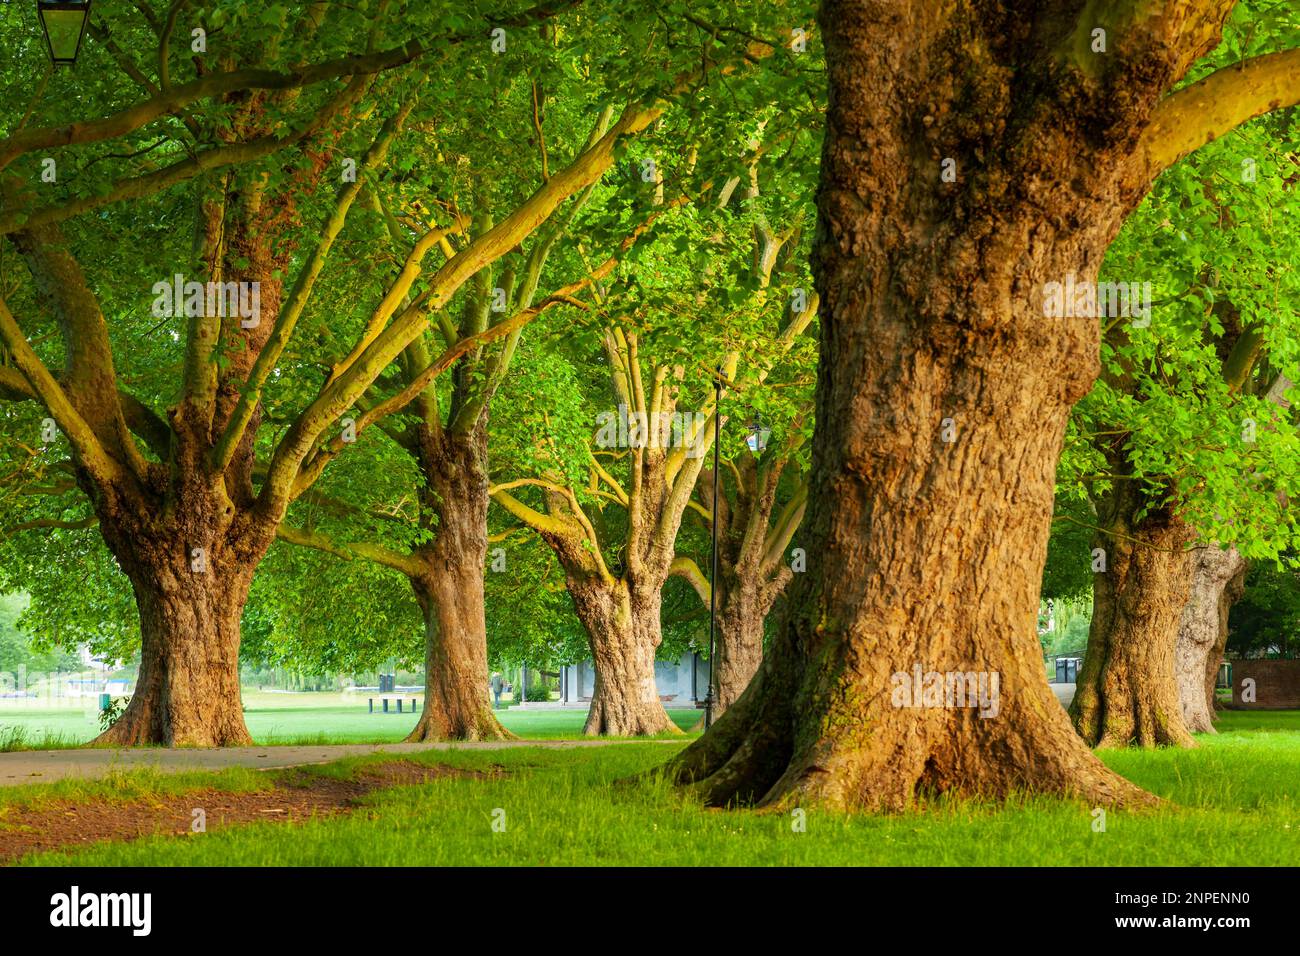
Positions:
{"x": 375, "y": 553}
{"x": 687, "y": 568}
{"x": 269, "y": 355}
{"x": 1188, "y": 118}
{"x": 215, "y": 158}
{"x": 90, "y": 453}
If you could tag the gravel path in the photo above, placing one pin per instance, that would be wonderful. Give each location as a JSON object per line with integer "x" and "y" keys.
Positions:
{"x": 46, "y": 766}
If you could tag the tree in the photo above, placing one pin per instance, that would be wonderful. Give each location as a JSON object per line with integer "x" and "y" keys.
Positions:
{"x": 646, "y": 454}
{"x": 969, "y": 160}
{"x": 190, "y": 514}
{"x": 1218, "y": 581}
{"x": 447, "y": 442}
{"x": 754, "y": 568}
{"x": 1191, "y": 450}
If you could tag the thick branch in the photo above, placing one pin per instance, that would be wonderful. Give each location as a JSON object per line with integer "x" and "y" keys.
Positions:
{"x": 687, "y": 568}
{"x": 212, "y": 85}
{"x": 1207, "y": 109}
{"x": 375, "y": 553}
{"x": 287, "y": 319}
{"x": 90, "y": 453}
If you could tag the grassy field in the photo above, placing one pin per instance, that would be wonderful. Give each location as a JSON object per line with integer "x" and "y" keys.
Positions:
{"x": 1232, "y": 801}
{"x": 307, "y": 718}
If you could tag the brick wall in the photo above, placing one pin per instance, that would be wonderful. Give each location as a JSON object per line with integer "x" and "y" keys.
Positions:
{"x": 1277, "y": 684}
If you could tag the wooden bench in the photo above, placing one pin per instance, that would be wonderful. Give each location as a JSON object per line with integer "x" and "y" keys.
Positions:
{"x": 385, "y": 698}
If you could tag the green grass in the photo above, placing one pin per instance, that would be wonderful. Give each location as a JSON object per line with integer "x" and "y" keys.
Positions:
{"x": 131, "y": 786}
{"x": 1232, "y": 801}
{"x": 292, "y": 719}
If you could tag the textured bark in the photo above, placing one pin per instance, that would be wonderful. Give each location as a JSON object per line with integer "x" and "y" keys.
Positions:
{"x": 926, "y": 551}
{"x": 752, "y": 568}
{"x": 1126, "y": 692}
{"x": 187, "y": 692}
{"x": 457, "y": 705}
{"x": 741, "y": 612}
{"x": 622, "y": 626}
{"x": 1218, "y": 578}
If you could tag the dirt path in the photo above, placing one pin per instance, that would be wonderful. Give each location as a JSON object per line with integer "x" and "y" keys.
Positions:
{"x": 47, "y": 766}
{"x": 67, "y": 824}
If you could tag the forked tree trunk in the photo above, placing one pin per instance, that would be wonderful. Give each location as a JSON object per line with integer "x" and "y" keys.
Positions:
{"x": 749, "y": 579}
{"x": 740, "y": 645}
{"x": 187, "y": 692}
{"x": 457, "y": 705}
{"x": 623, "y": 633}
{"x": 1217, "y": 582}
{"x": 745, "y": 599}
{"x": 942, "y": 398}
{"x": 1126, "y": 692}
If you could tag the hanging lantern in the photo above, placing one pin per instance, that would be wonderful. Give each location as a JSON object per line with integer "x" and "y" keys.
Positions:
{"x": 64, "y": 23}
{"x": 758, "y": 436}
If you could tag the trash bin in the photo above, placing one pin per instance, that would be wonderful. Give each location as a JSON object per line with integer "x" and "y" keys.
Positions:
{"x": 1067, "y": 670}
{"x": 105, "y": 701}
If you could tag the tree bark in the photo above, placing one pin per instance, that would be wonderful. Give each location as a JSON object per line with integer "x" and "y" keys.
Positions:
{"x": 457, "y": 705}
{"x": 1218, "y": 578}
{"x": 752, "y": 572}
{"x": 622, "y": 624}
{"x": 942, "y": 398}
{"x": 187, "y": 691}
{"x": 1126, "y": 692}
{"x": 742, "y": 609}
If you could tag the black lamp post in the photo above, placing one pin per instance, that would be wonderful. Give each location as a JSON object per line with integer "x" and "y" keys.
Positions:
{"x": 713, "y": 574}
{"x": 64, "y": 23}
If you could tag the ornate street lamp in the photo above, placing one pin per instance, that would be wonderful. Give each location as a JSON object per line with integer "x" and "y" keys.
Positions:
{"x": 64, "y": 23}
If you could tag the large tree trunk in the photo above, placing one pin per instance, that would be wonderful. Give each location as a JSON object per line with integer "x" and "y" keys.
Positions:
{"x": 456, "y": 697}
{"x": 1126, "y": 692}
{"x": 622, "y": 626}
{"x": 1217, "y": 580}
{"x": 457, "y": 705}
{"x": 942, "y": 398}
{"x": 187, "y": 692}
{"x": 924, "y": 554}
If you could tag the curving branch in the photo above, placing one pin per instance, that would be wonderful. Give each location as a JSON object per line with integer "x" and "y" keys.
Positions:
{"x": 158, "y": 180}
{"x": 376, "y": 553}
{"x": 684, "y": 567}
{"x": 1188, "y": 118}
{"x": 90, "y": 453}
{"x": 171, "y": 100}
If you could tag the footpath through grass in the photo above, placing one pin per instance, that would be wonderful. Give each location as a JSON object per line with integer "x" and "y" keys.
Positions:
{"x": 1232, "y": 802}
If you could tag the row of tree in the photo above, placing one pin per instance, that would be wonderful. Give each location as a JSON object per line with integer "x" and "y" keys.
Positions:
{"x": 516, "y": 271}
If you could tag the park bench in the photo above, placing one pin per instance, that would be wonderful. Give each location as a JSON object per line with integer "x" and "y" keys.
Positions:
{"x": 385, "y": 698}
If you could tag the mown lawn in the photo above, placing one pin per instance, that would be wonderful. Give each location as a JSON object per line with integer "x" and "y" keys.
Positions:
{"x": 1232, "y": 802}
{"x": 293, "y": 719}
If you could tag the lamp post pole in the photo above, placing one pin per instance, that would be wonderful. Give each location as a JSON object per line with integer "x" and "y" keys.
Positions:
{"x": 713, "y": 558}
